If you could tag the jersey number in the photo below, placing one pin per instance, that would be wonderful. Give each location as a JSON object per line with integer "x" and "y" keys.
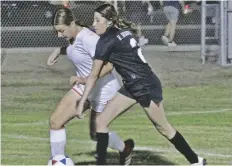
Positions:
{"x": 133, "y": 44}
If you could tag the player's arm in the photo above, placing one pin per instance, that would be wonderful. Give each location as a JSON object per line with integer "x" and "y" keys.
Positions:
{"x": 107, "y": 68}
{"x": 92, "y": 78}
{"x": 53, "y": 57}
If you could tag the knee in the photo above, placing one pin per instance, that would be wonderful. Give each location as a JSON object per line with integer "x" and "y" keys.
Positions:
{"x": 54, "y": 123}
{"x": 167, "y": 131}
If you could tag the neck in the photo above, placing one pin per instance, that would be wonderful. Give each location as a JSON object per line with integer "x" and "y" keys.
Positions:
{"x": 78, "y": 29}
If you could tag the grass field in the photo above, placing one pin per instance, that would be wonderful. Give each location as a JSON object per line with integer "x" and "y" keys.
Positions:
{"x": 200, "y": 110}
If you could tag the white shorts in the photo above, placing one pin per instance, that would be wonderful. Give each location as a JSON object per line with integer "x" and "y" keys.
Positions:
{"x": 95, "y": 106}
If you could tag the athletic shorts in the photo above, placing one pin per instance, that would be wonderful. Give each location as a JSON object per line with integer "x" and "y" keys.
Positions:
{"x": 144, "y": 91}
{"x": 171, "y": 13}
{"x": 96, "y": 106}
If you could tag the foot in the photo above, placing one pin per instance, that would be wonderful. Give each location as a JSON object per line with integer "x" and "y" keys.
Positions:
{"x": 165, "y": 40}
{"x": 201, "y": 161}
{"x": 172, "y": 44}
{"x": 126, "y": 155}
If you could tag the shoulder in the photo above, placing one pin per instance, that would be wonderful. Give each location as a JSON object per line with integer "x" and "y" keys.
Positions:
{"x": 109, "y": 37}
{"x": 86, "y": 38}
{"x": 89, "y": 37}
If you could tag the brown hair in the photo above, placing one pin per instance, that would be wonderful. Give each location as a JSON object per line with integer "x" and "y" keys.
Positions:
{"x": 65, "y": 16}
{"x": 108, "y": 11}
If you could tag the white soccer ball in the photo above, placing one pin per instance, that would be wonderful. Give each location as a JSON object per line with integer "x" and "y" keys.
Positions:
{"x": 60, "y": 160}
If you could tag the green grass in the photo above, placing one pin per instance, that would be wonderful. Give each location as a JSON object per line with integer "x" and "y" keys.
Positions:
{"x": 25, "y": 131}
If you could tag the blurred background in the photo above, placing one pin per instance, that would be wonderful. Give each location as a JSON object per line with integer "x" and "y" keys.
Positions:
{"x": 28, "y": 23}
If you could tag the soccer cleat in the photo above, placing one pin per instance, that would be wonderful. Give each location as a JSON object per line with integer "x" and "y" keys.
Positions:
{"x": 126, "y": 155}
{"x": 201, "y": 161}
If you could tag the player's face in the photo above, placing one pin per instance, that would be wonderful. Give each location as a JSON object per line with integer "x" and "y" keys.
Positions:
{"x": 100, "y": 24}
{"x": 64, "y": 31}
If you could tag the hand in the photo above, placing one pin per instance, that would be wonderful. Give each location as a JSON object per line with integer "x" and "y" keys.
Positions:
{"x": 79, "y": 110}
{"x": 76, "y": 80}
{"x": 52, "y": 59}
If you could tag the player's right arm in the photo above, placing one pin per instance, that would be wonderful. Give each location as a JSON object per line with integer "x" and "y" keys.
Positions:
{"x": 52, "y": 59}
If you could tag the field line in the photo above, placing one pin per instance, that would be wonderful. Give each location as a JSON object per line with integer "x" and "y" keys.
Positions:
{"x": 44, "y": 122}
{"x": 204, "y": 152}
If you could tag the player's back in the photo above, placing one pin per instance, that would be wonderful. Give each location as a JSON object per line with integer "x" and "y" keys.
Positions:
{"x": 125, "y": 54}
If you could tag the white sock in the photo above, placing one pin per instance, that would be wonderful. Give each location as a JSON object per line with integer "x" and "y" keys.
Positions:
{"x": 57, "y": 141}
{"x": 115, "y": 142}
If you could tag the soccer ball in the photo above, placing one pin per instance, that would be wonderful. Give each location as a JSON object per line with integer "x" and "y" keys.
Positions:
{"x": 60, "y": 160}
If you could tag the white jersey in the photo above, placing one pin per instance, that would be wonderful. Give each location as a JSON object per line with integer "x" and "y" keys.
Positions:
{"x": 81, "y": 53}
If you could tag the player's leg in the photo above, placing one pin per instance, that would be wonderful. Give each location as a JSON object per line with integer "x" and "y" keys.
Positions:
{"x": 111, "y": 112}
{"x": 172, "y": 30}
{"x": 165, "y": 37}
{"x": 174, "y": 14}
{"x": 156, "y": 114}
{"x": 64, "y": 112}
{"x": 115, "y": 142}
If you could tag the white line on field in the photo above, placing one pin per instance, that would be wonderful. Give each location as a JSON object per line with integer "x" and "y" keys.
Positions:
{"x": 198, "y": 112}
{"x": 204, "y": 152}
{"x": 45, "y": 122}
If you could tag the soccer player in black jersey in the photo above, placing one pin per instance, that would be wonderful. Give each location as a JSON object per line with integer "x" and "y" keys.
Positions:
{"x": 118, "y": 48}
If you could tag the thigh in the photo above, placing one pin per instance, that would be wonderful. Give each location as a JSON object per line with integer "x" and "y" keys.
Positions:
{"x": 66, "y": 108}
{"x": 119, "y": 104}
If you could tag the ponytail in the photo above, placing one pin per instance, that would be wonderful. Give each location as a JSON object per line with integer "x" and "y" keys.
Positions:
{"x": 121, "y": 23}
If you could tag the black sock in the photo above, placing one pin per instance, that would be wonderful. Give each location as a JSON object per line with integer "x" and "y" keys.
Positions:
{"x": 182, "y": 146}
{"x": 102, "y": 143}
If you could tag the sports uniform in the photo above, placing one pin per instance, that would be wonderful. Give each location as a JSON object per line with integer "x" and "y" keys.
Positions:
{"x": 120, "y": 48}
{"x": 81, "y": 53}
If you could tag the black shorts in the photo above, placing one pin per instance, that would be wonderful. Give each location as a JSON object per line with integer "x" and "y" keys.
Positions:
{"x": 144, "y": 91}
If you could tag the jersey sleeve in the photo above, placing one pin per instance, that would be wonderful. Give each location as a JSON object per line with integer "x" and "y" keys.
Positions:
{"x": 103, "y": 49}
{"x": 90, "y": 43}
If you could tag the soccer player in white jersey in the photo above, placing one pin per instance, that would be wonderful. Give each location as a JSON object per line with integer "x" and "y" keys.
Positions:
{"x": 81, "y": 51}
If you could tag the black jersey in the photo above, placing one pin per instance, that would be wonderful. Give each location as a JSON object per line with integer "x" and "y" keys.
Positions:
{"x": 121, "y": 49}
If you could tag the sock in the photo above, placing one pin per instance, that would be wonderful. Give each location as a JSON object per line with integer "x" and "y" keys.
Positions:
{"x": 182, "y": 146}
{"x": 57, "y": 141}
{"x": 102, "y": 143}
{"x": 115, "y": 142}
